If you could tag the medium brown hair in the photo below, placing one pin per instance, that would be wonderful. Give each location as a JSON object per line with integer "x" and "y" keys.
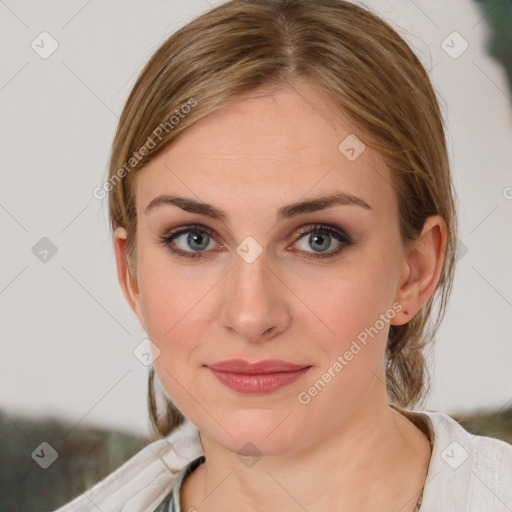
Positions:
{"x": 363, "y": 66}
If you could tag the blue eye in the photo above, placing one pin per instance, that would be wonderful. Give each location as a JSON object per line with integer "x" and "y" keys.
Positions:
{"x": 199, "y": 240}
{"x": 320, "y": 239}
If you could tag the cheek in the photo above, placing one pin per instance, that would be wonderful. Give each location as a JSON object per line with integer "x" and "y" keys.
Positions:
{"x": 349, "y": 301}
{"x": 164, "y": 304}
{"x": 353, "y": 314}
{"x": 355, "y": 317}
{"x": 173, "y": 304}
{"x": 169, "y": 292}
{"x": 170, "y": 308}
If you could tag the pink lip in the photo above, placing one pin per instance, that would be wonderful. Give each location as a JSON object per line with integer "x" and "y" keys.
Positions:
{"x": 259, "y": 377}
{"x": 258, "y": 367}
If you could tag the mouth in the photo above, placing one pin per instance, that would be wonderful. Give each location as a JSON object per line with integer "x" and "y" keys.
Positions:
{"x": 257, "y": 377}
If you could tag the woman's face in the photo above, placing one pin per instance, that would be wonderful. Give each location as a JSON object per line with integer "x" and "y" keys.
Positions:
{"x": 256, "y": 290}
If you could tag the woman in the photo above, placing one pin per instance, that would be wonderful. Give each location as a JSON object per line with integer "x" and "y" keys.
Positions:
{"x": 283, "y": 219}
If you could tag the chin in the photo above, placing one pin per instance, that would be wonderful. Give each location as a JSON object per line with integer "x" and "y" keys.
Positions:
{"x": 257, "y": 432}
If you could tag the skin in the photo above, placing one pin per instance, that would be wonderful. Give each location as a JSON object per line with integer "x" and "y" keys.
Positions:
{"x": 347, "y": 445}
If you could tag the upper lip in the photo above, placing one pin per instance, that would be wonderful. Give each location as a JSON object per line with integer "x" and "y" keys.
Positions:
{"x": 257, "y": 367}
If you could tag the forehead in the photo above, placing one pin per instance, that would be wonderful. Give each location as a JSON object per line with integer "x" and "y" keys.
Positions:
{"x": 269, "y": 150}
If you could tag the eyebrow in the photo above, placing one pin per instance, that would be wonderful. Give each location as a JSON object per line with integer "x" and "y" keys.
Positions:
{"x": 286, "y": 212}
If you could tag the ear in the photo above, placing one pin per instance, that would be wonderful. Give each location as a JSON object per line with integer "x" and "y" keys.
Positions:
{"x": 126, "y": 280}
{"x": 421, "y": 269}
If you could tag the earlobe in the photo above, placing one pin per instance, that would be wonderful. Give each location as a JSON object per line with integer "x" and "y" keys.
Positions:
{"x": 421, "y": 269}
{"x": 126, "y": 280}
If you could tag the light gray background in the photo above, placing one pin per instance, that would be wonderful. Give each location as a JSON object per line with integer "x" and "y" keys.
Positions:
{"x": 67, "y": 335}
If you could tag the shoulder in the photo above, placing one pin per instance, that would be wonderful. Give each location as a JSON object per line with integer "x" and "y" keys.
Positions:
{"x": 486, "y": 451}
{"x": 143, "y": 481}
{"x": 467, "y": 472}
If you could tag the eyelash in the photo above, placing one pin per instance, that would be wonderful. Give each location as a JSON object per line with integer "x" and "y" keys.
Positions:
{"x": 338, "y": 234}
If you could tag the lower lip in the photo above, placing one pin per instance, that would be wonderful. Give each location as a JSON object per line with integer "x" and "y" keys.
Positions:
{"x": 258, "y": 383}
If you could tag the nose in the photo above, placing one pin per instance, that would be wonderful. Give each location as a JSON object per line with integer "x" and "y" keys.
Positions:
{"x": 255, "y": 301}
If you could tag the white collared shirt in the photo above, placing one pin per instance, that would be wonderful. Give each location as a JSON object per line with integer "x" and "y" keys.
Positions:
{"x": 467, "y": 473}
